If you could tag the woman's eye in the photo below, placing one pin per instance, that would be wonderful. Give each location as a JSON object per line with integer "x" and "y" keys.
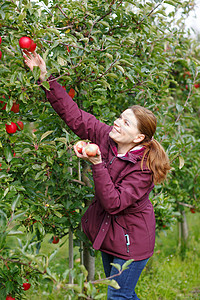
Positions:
{"x": 126, "y": 123}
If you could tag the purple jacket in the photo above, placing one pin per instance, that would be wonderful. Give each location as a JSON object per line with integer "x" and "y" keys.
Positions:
{"x": 120, "y": 220}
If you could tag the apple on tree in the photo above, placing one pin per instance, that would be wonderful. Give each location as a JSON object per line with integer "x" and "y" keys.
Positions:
{"x": 12, "y": 128}
{"x": 15, "y": 107}
{"x": 32, "y": 46}
{"x": 20, "y": 125}
{"x": 71, "y": 93}
{"x": 26, "y": 286}
{"x": 9, "y": 298}
{"x": 55, "y": 240}
{"x": 0, "y": 40}
{"x": 27, "y": 43}
{"x": 0, "y": 54}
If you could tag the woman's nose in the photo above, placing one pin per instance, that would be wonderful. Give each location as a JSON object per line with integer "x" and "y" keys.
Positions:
{"x": 117, "y": 122}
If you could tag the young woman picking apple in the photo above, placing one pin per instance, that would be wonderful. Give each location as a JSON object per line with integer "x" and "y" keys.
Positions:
{"x": 120, "y": 222}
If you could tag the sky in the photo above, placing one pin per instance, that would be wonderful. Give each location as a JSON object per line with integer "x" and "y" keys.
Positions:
{"x": 194, "y": 17}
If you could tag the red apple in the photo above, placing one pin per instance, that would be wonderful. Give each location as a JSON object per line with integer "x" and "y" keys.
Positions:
{"x": 0, "y": 166}
{"x": 91, "y": 149}
{"x": 20, "y": 125}
{"x": 55, "y": 240}
{"x": 12, "y": 128}
{"x": 15, "y": 108}
{"x": 32, "y": 46}
{"x": 0, "y": 40}
{"x": 9, "y": 298}
{"x": 187, "y": 73}
{"x": 196, "y": 85}
{"x": 71, "y": 93}
{"x": 26, "y": 286}
{"x": 4, "y": 107}
{"x": 0, "y": 54}
{"x": 25, "y": 42}
{"x": 80, "y": 145}
{"x": 192, "y": 210}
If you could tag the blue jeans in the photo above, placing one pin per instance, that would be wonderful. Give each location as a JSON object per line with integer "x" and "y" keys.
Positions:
{"x": 127, "y": 280}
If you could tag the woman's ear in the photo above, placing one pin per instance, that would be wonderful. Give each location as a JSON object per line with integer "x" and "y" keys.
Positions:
{"x": 139, "y": 138}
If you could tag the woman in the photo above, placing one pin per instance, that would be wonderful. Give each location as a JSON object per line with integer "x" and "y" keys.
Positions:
{"x": 120, "y": 222}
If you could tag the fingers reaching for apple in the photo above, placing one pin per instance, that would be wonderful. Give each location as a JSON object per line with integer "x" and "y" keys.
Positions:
{"x": 35, "y": 60}
{"x": 89, "y": 152}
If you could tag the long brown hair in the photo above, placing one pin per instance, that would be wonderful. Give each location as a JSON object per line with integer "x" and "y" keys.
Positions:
{"x": 156, "y": 158}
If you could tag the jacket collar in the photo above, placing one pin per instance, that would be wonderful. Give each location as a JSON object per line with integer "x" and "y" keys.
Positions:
{"x": 132, "y": 156}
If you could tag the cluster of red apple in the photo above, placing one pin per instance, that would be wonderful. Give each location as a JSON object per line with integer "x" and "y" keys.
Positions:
{"x": 0, "y": 50}
{"x": 14, "y": 108}
{"x": 13, "y": 127}
{"x": 27, "y": 43}
{"x": 26, "y": 286}
{"x": 89, "y": 148}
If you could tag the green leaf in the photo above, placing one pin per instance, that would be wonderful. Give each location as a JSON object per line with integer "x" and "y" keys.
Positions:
{"x": 8, "y": 153}
{"x": 127, "y": 263}
{"x": 46, "y": 134}
{"x": 46, "y": 85}
{"x": 112, "y": 283}
{"x": 181, "y": 162}
{"x": 15, "y": 202}
{"x": 117, "y": 266}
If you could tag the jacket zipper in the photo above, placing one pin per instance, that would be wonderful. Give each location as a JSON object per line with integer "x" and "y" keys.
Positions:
{"x": 127, "y": 242}
{"x": 110, "y": 163}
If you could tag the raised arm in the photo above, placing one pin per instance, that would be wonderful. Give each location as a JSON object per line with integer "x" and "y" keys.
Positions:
{"x": 83, "y": 124}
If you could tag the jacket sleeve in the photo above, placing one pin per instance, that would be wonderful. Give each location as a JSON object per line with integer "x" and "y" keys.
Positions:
{"x": 116, "y": 198}
{"x": 83, "y": 124}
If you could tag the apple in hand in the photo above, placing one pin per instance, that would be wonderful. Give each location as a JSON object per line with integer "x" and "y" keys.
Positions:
{"x": 12, "y": 128}
{"x": 80, "y": 145}
{"x": 91, "y": 149}
{"x": 55, "y": 240}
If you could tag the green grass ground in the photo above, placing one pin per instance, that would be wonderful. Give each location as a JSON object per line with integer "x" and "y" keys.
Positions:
{"x": 166, "y": 277}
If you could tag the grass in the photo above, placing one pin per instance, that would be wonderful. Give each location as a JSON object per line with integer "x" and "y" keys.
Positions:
{"x": 166, "y": 276}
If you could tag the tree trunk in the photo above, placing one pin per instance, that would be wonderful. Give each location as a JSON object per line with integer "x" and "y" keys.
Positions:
{"x": 88, "y": 260}
{"x": 71, "y": 249}
{"x": 183, "y": 234}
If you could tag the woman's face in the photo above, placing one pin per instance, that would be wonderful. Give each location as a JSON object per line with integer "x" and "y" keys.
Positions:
{"x": 125, "y": 131}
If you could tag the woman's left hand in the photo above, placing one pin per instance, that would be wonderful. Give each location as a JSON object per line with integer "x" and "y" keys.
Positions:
{"x": 92, "y": 159}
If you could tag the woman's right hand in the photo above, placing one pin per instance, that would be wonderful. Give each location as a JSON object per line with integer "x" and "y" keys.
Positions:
{"x": 35, "y": 60}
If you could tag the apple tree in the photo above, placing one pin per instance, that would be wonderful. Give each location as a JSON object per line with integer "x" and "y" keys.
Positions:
{"x": 108, "y": 56}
